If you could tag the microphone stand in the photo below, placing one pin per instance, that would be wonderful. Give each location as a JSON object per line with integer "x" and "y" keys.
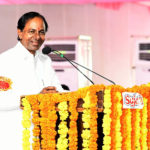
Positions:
{"x": 71, "y": 61}
{"x": 94, "y": 72}
{"x": 62, "y": 56}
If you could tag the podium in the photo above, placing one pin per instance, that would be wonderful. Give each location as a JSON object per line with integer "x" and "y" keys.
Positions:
{"x": 92, "y": 118}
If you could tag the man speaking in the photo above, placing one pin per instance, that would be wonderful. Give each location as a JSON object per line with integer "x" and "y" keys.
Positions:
{"x": 30, "y": 72}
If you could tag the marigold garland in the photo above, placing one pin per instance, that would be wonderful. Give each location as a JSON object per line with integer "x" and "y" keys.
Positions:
{"x": 35, "y": 120}
{"x": 26, "y": 122}
{"x": 126, "y": 129}
{"x": 73, "y": 124}
{"x": 107, "y": 120}
{"x": 135, "y": 129}
{"x": 86, "y": 122}
{"x": 143, "y": 137}
{"x": 47, "y": 121}
{"x": 94, "y": 115}
{"x": 146, "y": 90}
{"x": 116, "y": 137}
{"x": 123, "y": 128}
{"x": 62, "y": 143}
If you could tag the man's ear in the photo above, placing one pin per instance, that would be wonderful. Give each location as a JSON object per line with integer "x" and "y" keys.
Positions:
{"x": 19, "y": 33}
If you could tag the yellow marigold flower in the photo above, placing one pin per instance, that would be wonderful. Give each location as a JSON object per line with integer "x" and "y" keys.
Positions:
{"x": 63, "y": 131}
{"x": 62, "y": 143}
{"x": 107, "y": 140}
{"x": 86, "y": 125}
{"x": 63, "y": 115}
{"x": 63, "y": 106}
{"x": 85, "y": 143}
{"x": 85, "y": 134}
{"x": 87, "y": 102}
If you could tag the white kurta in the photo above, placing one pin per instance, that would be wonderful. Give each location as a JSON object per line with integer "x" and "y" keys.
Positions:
{"x": 29, "y": 74}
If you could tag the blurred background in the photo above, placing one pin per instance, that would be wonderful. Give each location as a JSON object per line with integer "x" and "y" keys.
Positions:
{"x": 110, "y": 37}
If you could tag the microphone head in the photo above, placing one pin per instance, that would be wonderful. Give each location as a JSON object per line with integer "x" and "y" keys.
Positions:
{"x": 46, "y": 50}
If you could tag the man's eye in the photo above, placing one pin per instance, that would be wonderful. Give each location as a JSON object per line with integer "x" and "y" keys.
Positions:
{"x": 42, "y": 32}
{"x": 32, "y": 31}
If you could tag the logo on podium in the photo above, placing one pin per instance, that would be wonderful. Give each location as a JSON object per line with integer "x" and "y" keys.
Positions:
{"x": 132, "y": 100}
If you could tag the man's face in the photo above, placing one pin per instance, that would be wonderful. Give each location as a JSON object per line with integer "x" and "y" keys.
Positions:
{"x": 33, "y": 34}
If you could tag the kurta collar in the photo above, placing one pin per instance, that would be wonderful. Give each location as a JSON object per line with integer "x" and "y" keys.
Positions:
{"x": 24, "y": 52}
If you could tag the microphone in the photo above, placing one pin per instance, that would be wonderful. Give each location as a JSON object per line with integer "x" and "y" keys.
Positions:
{"x": 47, "y": 50}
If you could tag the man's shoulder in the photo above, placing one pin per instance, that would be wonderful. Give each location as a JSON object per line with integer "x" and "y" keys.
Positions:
{"x": 8, "y": 52}
{"x": 8, "y": 56}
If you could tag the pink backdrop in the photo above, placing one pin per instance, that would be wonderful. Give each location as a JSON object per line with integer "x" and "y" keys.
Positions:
{"x": 63, "y": 1}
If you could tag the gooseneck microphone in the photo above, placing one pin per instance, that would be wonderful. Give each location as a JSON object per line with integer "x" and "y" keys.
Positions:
{"x": 47, "y": 50}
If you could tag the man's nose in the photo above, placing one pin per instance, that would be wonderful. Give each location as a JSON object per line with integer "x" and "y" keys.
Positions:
{"x": 37, "y": 35}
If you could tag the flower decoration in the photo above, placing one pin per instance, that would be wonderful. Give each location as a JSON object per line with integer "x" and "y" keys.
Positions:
{"x": 62, "y": 143}
{"x": 122, "y": 128}
{"x": 116, "y": 112}
{"x": 144, "y": 130}
{"x": 73, "y": 123}
{"x": 107, "y": 119}
{"x": 86, "y": 118}
{"x": 26, "y": 122}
